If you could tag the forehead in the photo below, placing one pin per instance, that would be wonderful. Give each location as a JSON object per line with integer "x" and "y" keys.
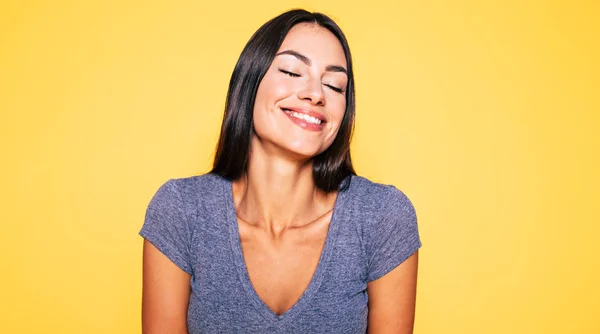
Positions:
{"x": 315, "y": 42}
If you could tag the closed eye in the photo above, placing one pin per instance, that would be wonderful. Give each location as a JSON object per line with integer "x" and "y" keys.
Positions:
{"x": 291, "y": 74}
{"x": 296, "y": 75}
{"x": 334, "y": 88}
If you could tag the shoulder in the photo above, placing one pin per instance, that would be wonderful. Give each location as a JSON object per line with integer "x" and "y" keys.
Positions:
{"x": 186, "y": 193}
{"x": 171, "y": 220}
{"x": 381, "y": 211}
{"x": 378, "y": 198}
{"x": 387, "y": 224}
{"x": 195, "y": 184}
{"x": 179, "y": 202}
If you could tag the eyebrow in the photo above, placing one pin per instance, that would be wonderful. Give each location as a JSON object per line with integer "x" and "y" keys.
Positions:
{"x": 306, "y": 60}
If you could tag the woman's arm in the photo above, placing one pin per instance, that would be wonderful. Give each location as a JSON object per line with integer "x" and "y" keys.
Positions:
{"x": 392, "y": 299}
{"x": 165, "y": 294}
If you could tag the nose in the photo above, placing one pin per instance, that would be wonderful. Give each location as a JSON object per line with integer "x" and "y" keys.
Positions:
{"x": 313, "y": 92}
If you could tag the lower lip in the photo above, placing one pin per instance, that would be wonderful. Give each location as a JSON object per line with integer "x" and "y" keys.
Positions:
{"x": 304, "y": 124}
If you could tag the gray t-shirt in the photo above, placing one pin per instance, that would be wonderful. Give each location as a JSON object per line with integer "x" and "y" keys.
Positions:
{"x": 192, "y": 221}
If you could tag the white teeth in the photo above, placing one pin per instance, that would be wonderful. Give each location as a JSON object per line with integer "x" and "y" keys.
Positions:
{"x": 306, "y": 117}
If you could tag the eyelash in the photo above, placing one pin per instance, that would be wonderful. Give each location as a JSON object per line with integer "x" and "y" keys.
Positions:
{"x": 335, "y": 89}
{"x": 291, "y": 74}
{"x": 295, "y": 75}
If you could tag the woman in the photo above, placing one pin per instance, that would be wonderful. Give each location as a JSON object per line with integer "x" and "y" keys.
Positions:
{"x": 282, "y": 236}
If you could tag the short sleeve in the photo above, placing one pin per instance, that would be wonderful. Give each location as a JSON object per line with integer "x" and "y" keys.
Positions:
{"x": 166, "y": 225}
{"x": 394, "y": 237}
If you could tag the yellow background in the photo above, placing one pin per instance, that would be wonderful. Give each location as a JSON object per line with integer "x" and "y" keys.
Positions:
{"x": 485, "y": 113}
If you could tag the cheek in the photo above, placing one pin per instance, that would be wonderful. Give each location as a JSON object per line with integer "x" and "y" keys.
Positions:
{"x": 337, "y": 112}
{"x": 270, "y": 91}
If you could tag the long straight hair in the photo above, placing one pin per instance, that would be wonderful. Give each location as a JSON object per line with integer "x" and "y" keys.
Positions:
{"x": 330, "y": 167}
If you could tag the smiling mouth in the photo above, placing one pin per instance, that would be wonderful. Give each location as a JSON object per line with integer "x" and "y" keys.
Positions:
{"x": 302, "y": 116}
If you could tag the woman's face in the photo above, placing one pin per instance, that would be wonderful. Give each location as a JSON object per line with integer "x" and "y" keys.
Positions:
{"x": 301, "y": 100}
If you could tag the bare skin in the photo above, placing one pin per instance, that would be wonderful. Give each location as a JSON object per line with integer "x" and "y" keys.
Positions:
{"x": 392, "y": 299}
{"x": 281, "y": 246}
{"x": 283, "y": 217}
{"x": 165, "y": 294}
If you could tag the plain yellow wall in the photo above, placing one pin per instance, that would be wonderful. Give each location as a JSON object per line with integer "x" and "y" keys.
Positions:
{"x": 486, "y": 113}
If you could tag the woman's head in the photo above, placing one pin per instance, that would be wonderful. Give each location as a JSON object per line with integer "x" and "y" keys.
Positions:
{"x": 292, "y": 90}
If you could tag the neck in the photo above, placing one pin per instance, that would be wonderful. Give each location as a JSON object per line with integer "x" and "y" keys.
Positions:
{"x": 277, "y": 192}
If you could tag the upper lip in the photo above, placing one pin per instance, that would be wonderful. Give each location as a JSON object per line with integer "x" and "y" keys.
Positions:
{"x": 306, "y": 111}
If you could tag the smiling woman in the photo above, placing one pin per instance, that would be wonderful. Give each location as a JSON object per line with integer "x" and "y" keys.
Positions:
{"x": 282, "y": 235}
{"x": 301, "y": 86}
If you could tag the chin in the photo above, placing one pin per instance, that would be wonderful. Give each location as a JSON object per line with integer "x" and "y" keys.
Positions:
{"x": 305, "y": 151}
{"x": 294, "y": 147}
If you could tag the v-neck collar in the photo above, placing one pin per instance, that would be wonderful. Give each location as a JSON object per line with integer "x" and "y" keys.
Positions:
{"x": 317, "y": 277}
